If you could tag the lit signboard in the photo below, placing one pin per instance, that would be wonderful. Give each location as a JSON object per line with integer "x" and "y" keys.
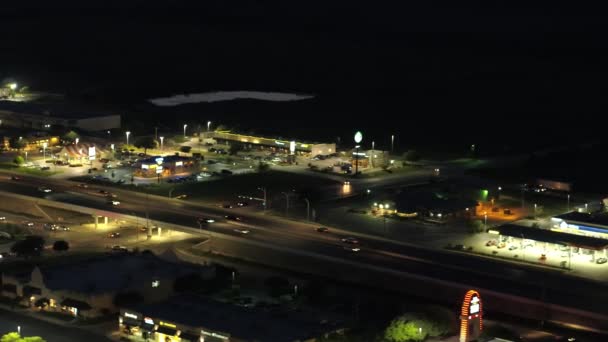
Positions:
{"x": 130, "y": 315}
{"x": 474, "y": 308}
{"x": 179, "y": 163}
{"x": 159, "y": 160}
{"x": 92, "y": 153}
{"x": 279, "y": 142}
{"x": 169, "y": 325}
{"x": 159, "y": 169}
{"x": 207, "y": 333}
{"x": 148, "y": 320}
{"x": 292, "y": 147}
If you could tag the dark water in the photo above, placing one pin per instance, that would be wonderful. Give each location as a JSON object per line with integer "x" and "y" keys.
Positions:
{"x": 453, "y": 73}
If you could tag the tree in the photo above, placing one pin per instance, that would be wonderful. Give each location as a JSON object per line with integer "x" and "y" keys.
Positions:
{"x": 263, "y": 167}
{"x": 61, "y": 246}
{"x": 402, "y": 330}
{"x": 235, "y": 148}
{"x": 15, "y": 337}
{"x": 70, "y": 136}
{"x": 127, "y": 298}
{"x": 31, "y": 246}
{"x": 412, "y": 156}
{"x": 145, "y": 142}
{"x": 17, "y": 143}
{"x": 417, "y": 326}
{"x": 19, "y": 160}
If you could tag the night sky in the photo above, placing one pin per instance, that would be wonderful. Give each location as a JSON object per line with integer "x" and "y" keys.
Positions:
{"x": 448, "y": 71}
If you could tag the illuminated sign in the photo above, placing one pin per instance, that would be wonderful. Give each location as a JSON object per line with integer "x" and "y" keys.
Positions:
{"x": 495, "y": 232}
{"x": 179, "y": 163}
{"x": 144, "y": 166}
{"x": 279, "y": 142}
{"x": 212, "y": 334}
{"x": 159, "y": 169}
{"x": 292, "y": 147}
{"x": 148, "y": 320}
{"x": 358, "y": 137}
{"x": 92, "y": 153}
{"x": 169, "y": 325}
{"x": 159, "y": 160}
{"x": 474, "y": 308}
{"x": 130, "y": 315}
{"x": 155, "y": 283}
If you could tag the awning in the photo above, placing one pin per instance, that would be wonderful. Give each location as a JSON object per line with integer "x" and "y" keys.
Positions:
{"x": 189, "y": 337}
{"x": 73, "y": 303}
{"x": 166, "y": 331}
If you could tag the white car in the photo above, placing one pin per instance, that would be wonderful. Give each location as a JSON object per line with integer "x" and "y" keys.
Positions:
{"x": 352, "y": 249}
{"x": 44, "y": 189}
{"x": 2, "y": 218}
{"x": 113, "y": 202}
{"x": 241, "y": 231}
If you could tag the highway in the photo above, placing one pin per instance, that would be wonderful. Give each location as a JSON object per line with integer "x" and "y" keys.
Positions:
{"x": 534, "y": 283}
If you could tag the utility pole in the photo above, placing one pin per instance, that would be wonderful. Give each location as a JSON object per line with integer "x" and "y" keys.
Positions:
{"x": 307, "y": 209}
{"x": 286, "y": 203}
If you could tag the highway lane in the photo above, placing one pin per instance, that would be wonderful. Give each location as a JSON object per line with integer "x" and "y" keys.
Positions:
{"x": 458, "y": 267}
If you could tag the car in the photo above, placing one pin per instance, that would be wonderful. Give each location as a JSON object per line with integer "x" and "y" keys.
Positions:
{"x": 104, "y": 160}
{"x": 180, "y": 196}
{"x": 15, "y": 178}
{"x": 83, "y": 185}
{"x": 323, "y": 229}
{"x": 64, "y": 228}
{"x": 114, "y": 235}
{"x": 460, "y": 247}
{"x": 241, "y": 231}
{"x": 226, "y": 206}
{"x": 120, "y": 249}
{"x": 351, "y": 240}
{"x": 543, "y": 257}
{"x": 45, "y": 168}
{"x": 104, "y": 192}
{"x": 242, "y": 204}
{"x": 50, "y": 226}
{"x": 226, "y": 172}
{"x": 351, "y": 249}
{"x": 113, "y": 202}
{"x": 232, "y": 218}
{"x": 346, "y": 183}
{"x": 205, "y": 220}
{"x": 491, "y": 243}
{"x": 512, "y": 247}
{"x": 601, "y": 260}
{"x": 203, "y": 175}
{"x": 2, "y": 218}
{"x": 501, "y": 245}
{"x": 29, "y": 224}
{"x": 44, "y": 189}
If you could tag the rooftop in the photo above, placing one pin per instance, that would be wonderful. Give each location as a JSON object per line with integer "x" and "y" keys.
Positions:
{"x": 109, "y": 273}
{"x": 599, "y": 218}
{"x": 552, "y": 236}
{"x": 242, "y": 323}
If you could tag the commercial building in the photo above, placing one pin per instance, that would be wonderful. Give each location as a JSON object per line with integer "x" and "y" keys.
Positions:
{"x": 88, "y": 287}
{"x": 189, "y": 318}
{"x": 165, "y": 166}
{"x": 548, "y": 239}
{"x": 44, "y": 116}
{"x": 592, "y": 224}
{"x": 275, "y": 145}
{"x": 427, "y": 205}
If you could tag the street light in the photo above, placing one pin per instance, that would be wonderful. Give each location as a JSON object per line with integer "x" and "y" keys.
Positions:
{"x": 208, "y": 125}
{"x": 568, "y": 207}
{"x": 185, "y": 126}
{"x": 127, "y": 133}
{"x": 485, "y": 220}
{"x": 77, "y": 140}
{"x": 26, "y": 156}
{"x": 13, "y": 86}
{"x": 162, "y": 139}
{"x": 392, "y": 143}
{"x": 44, "y": 145}
{"x": 263, "y": 189}
{"x": 358, "y": 139}
{"x": 307, "y": 209}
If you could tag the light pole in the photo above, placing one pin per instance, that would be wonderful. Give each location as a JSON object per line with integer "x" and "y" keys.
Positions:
{"x": 26, "y": 156}
{"x": 358, "y": 139}
{"x": 586, "y": 205}
{"x": 44, "y": 145}
{"x": 162, "y": 139}
{"x": 77, "y": 140}
{"x": 263, "y": 189}
{"x": 535, "y": 211}
{"x": 127, "y": 133}
{"x": 568, "y": 205}
{"x": 373, "y": 153}
{"x": 485, "y": 220}
{"x": 307, "y": 209}
{"x": 392, "y": 143}
{"x": 185, "y": 126}
{"x": 286, "y": 203}
{"x": 208, "y": 125}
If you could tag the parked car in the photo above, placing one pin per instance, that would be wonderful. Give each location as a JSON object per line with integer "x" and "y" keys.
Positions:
{"x": 242, "y": 204}
{"x": 512, "y": 247}
{"x": 113, "y": 202}
{"x": 491, "y": 243}
{"x": 15, "y": 178}
{"x": 114, "y": 235}
{"x": 205, "y": 220}
{"x": 44, "y": 189}
{"x": 601, "y": 260}
{"x": 119, "y": 249}
{"x": 2, "y": 218}
{"x": 323, "y": 229}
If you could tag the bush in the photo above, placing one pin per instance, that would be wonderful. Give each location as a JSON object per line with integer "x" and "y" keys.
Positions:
{"x": 18, "y": 160}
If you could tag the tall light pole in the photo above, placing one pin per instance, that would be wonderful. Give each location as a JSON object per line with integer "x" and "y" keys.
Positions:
{"x": 263, "y": 189}
{"x": 568, "y": 205}
{"x": 185, "y": 126}
{"x": 485, "y": 220}
{"x": 208, "y": 125}
{"x": 535, "y": 211}
{"x": 307, "y": 209}
{"x": 77, "y": 140}
{"x": 26, "y": 156}
{"x": 373, "y": 153}
{"x": 162, "y": 139}
{"x": 392, "y": 143}
{"x": 127, "y": 133}
{"x": 44, "y": 145}
{"x": 358, "y": 139}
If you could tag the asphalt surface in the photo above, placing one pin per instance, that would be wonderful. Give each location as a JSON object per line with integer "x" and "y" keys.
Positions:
{"x": 535, "y": 283}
